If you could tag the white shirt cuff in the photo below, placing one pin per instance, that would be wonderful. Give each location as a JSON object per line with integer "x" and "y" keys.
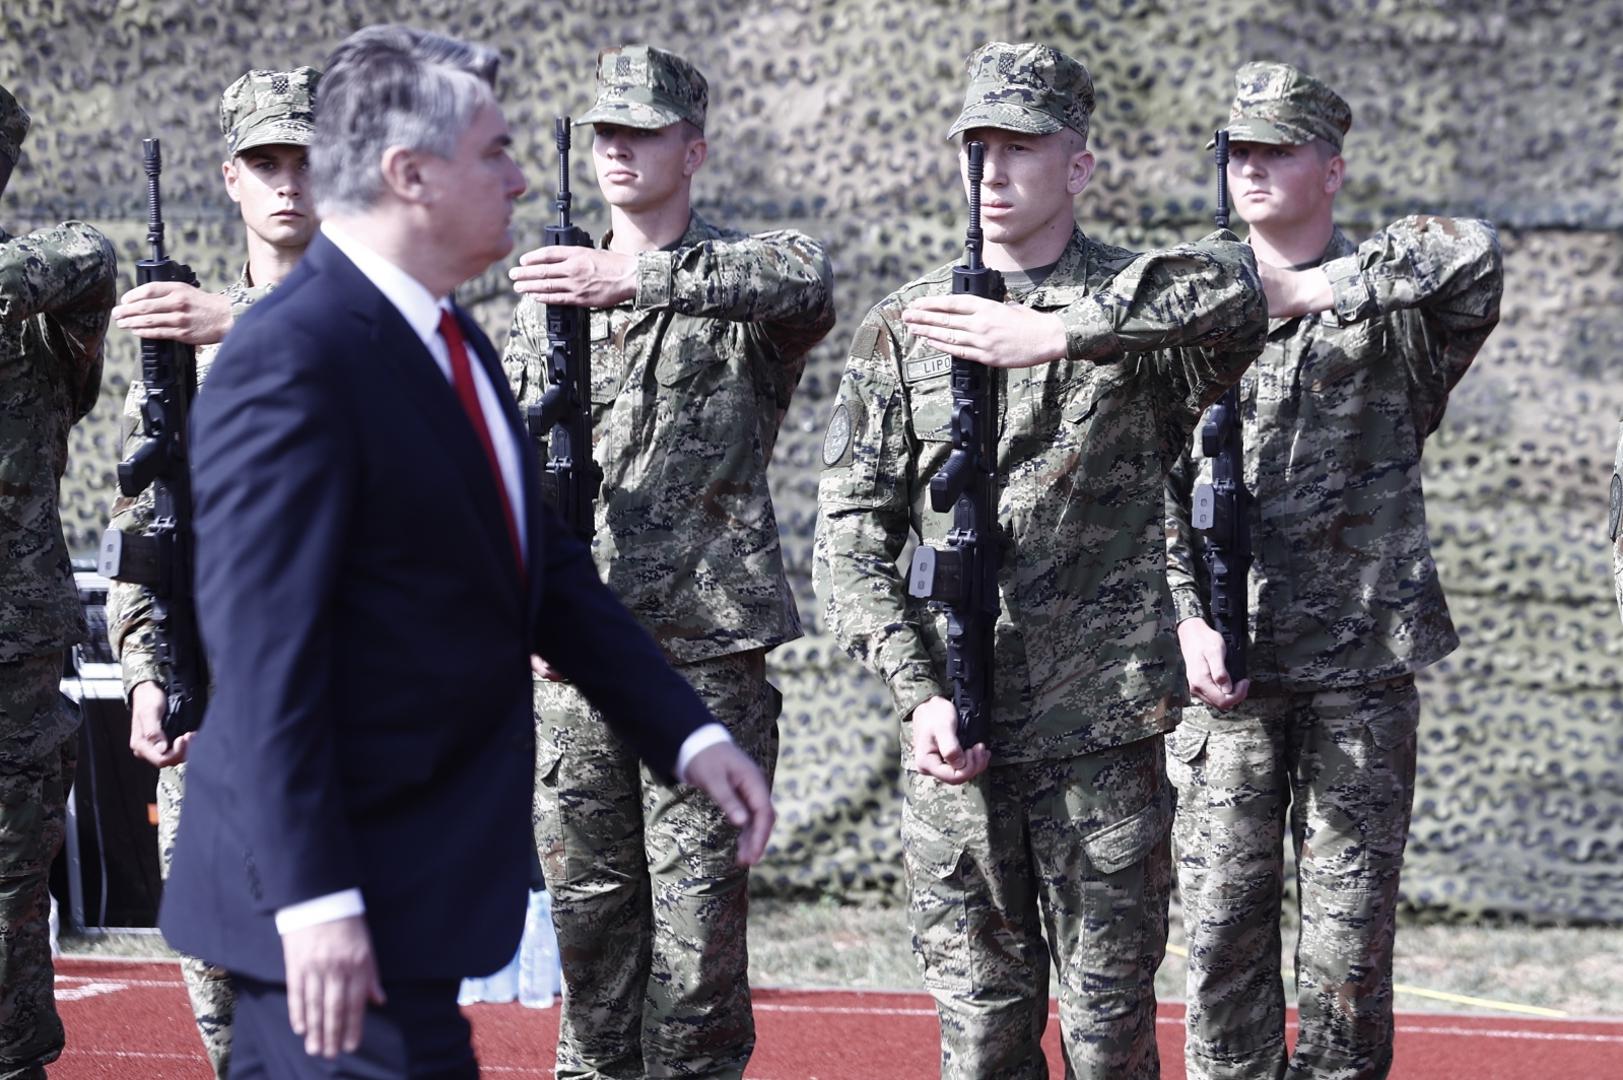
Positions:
{"x": 323, "y": 909}
{"x": 702, "y": 739}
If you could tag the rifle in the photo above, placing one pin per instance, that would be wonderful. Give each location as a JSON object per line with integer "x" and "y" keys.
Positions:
{"x": 1221, "y": 508}
{"x": 962, "y": 576}
{"x": 561, "y": 422}
{"x": 162, "y": 558}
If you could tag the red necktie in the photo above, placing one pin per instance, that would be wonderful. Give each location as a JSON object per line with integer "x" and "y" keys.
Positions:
{"x": 462, "y": 379}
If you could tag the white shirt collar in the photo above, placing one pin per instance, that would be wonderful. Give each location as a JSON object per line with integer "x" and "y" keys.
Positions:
{"x": 415, "y": 303}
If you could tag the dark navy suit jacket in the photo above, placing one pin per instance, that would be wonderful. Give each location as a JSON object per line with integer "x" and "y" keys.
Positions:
{"x": 368, "y": 632}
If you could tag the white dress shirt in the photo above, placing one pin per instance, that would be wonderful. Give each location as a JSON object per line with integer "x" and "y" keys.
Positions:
{"x": 421, "y": 310}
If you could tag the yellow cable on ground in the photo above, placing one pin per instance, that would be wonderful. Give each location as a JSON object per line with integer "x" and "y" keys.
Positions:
{"x": 1436, "y": 995}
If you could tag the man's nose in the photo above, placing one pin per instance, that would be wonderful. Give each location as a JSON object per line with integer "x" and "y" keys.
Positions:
{"x": 991, "y": 170}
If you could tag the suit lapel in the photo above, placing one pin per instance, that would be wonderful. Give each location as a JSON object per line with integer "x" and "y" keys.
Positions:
{"x": 395, "y": 346}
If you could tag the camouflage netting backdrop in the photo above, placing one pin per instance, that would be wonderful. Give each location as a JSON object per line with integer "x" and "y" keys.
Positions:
{"x": 828, "y": 115}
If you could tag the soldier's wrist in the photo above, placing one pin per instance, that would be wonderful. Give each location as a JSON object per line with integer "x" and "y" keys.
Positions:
{"x": 1351, "y": 296}
{"x": 656, "y": 272}
{"x": 1089, "y": 334}
{"x": 913, "y": 686}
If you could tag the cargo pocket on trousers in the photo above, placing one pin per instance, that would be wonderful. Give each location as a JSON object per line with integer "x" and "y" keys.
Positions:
{"x": 1186, "y": 749}
{"x": 544, "y": 812}
{"x": 1124, "y": 911}
{"x": 936, "y": 909}
{"x": 1395, "y": 719}
{"x": 1114, "y": 848}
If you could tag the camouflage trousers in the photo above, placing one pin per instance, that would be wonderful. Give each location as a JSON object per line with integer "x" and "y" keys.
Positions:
{"x": 1341, "y": 764}
{"x": 1069, "y": 860}
{"x": 213, "y": 1000}
{"x": 647, "y": 899}
{"x": 35, "y": 776}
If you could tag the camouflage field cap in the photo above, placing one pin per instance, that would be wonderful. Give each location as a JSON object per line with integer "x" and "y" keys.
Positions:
{"x": 1031, "y": 88}
{"x": 1279, "y": 105}
{"x": 643, "y": 87}
{"x": 14, "y": 123}
{"x": 265, "y": 108}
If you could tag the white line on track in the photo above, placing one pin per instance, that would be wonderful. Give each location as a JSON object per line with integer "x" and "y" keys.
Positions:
{"x": 1406, "y": 1029}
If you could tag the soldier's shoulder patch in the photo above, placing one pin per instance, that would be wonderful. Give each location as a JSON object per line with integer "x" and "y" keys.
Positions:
{"x": 925, "y": 367}
{"x": 866, "y": 339}
{"x": 837, "y": 440}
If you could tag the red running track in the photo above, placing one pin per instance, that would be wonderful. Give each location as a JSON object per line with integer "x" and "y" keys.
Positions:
{"x": 130, "y": 1021}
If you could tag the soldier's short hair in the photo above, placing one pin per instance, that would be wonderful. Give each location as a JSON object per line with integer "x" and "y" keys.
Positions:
{"x": 392, "y": 86}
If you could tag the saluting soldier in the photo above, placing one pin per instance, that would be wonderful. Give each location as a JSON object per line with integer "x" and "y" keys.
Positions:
{"x": 699, "y": 335}
{"x": 1365, "y": 341}
{"x": 56, "y": 289}
{"x": 267, "y": 119}
{"x": 1050, "y": 841}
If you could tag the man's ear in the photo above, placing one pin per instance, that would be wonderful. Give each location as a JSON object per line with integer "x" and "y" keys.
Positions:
{"x": 1081, "y": 172}
{"x": 228, "y": 169}
{"x": 698, "y": 150}
{"x": 402, "y": 170}
{"x": 1335, "y": 171}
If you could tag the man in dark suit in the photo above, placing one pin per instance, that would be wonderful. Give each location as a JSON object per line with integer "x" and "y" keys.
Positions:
{"x": 375, "y": 572}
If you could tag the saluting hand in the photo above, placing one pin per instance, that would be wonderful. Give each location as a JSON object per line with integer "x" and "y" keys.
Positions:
{"x": 172, "y": 311}
{"x": 726, "y": 774}
{"x": 936, "y": 749}
{"x": 987, "y": 332}
{"x": 576, "y": 276}
{"x": 1205, "y": 663}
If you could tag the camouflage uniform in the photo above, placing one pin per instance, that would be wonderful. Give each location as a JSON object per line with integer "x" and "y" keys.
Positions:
{"x": 1065, "y": 836}
{"x": 690, "y": 380}
{"x": 1345, "y": 606}
{"x": 261, "y": 108}
{"x": 56, "y": 289}
{"x": 1614, "y": 518}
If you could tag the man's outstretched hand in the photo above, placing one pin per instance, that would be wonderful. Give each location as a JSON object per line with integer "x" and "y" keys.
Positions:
{"x": 576, "y": 276}
{"x": 726, "y": 774}
{"x": 986, "y": 331}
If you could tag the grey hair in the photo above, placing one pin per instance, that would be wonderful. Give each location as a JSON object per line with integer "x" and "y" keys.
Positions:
{"x": 391, "y": 86}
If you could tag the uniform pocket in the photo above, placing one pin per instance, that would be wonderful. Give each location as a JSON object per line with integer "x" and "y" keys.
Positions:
{"x": 1395, "y": 715}
{"x": 1186, "y": 747}
{"x": 937, "y": 912}
{"x": 929, "y": 407}
{"x": 1186, "y": 743}
{"x": 1342, "y": 351}
{"x": 684, "y": 354}
{"x": 1128, "y": 842}
{"x": 19, "y": 457}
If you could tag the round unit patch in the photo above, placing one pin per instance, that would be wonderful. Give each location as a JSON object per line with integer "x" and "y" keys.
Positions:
{"x": 838, "y": 439}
